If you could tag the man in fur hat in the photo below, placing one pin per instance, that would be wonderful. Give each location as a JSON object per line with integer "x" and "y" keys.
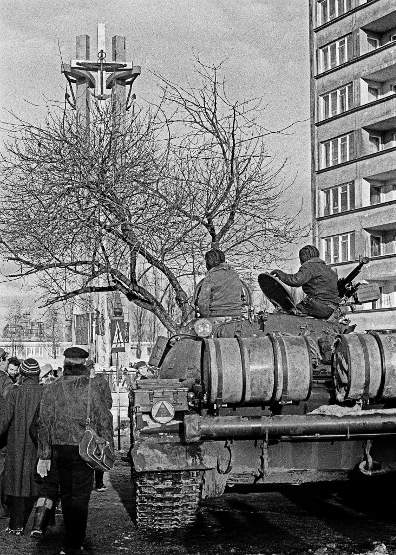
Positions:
{"x": 62, "y": 420}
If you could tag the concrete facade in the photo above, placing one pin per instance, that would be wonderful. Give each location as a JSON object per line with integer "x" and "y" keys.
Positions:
{"x": 353, "y": 132}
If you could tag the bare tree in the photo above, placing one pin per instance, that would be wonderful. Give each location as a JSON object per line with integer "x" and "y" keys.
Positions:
{"x": 53, "y": 328}
{"x": 99, "y": 208}
{"x": 14, "y": 330}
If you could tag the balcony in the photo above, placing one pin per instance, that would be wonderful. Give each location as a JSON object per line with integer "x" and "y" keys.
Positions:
{"x": 378, "y": 164}
{"x": 371, "y": 64}
{"x": 383, "y": 176}
{"x": 363, "y": 12}
{"x": 383, "y": 27}
{"x": 379, "y": 270}
{"x": 375, "y": 220}
{"x": 379, "y": 77}
{"x": 378, "y": 115}
{"x": 377, "y": 319}
{"x": 377, "y": 138}
{"x": 377, "y": 33}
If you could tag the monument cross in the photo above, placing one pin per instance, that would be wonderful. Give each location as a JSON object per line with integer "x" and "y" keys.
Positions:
{"x": 89, "y": 75}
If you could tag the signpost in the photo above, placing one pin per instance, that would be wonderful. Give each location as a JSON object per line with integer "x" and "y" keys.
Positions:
{"x": 118, "y": 336}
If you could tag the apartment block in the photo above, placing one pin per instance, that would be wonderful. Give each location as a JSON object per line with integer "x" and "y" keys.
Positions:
{"x": 353, "y": 134}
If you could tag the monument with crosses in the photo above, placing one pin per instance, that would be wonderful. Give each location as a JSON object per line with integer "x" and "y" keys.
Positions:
{"x": 100, "y": 77}
{"x": 97, "y": 75}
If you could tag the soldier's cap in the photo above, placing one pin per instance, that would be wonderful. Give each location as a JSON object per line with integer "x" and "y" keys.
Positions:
{"x": 75, "y": 353}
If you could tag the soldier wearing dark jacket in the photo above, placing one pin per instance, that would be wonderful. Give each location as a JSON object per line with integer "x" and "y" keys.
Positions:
{"x": 16, "y": 417}
{"x": 62, "y": 419}
{"x": 318, "y": 281}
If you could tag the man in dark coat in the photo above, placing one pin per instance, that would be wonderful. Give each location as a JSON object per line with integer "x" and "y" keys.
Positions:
{"x": 16, "y": 416}
{"x": 6, "y": 384}
{"x": 318, "y": 281}
{"x": 62, "y": 420}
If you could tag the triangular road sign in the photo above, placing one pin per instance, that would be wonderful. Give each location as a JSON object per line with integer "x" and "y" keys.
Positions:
{"x": 117, "y": 336}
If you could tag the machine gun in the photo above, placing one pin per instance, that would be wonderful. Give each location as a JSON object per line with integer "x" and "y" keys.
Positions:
{"x": 347, "y": 289}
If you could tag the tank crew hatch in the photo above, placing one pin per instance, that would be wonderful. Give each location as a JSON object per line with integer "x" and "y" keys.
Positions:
{"x": 277, "y": 293}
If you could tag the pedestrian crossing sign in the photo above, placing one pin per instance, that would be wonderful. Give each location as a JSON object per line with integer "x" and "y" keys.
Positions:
{"x": 117, "y": 334}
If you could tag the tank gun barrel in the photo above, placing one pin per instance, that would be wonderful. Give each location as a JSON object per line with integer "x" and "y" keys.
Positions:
{"x": 197, "y": 428}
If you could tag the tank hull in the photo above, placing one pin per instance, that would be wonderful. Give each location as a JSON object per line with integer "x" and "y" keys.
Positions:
{"x": 230, "y": 424}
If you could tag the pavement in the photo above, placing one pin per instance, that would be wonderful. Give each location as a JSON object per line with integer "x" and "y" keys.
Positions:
{"x": 314, "y": 520}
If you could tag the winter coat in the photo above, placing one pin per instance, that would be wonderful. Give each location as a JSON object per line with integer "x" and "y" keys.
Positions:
{"x": 318, "y": 281}
{"x": 16, "y": 416}
{"x": 6, "y": 384}
{"x": 220, "y": 293}
{"x": 63, "y": 411}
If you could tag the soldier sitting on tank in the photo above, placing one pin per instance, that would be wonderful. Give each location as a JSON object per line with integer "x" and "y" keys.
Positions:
{"x": 220, "y": 295}
{"x": 318, "y": 281}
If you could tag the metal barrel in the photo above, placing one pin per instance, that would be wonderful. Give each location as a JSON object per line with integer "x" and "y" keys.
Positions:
{"x": 386, "y": 340}
{"x": 257, "y": 370}
{"x": 197, "y": 428}
{"x": 292, "y": 367}
{"x": 238, "y": 371}
{"x": 364, "y": 366}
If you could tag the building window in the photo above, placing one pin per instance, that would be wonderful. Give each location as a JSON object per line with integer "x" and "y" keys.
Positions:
{"x": 375, "y": 245}
{"x": 336, "y": 151}
{"x": 335, "y": 53}
{"x": 339, "y": 248}
{"x": 382, "y": 193}
{"x": 373, "y": 93}
{"x": 373, "y": 43}
{"x": 386, "y": 300}
{"x": 376, "y": 143}
{"x": 330, "y": 9}
{"x": 375, "y": 194}
{"x": 382, "y": 244}
{"x": 336, "y": 102}
{"x": 339, "y": 199}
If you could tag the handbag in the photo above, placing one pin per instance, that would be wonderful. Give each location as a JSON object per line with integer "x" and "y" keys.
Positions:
{"x": 93, "y": 449}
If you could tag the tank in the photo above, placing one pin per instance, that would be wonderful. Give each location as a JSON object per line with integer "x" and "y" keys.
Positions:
{"x": 287, "y": 399}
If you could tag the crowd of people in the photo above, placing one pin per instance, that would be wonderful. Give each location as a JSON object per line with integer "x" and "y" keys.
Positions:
{"x": 42, "y": 422}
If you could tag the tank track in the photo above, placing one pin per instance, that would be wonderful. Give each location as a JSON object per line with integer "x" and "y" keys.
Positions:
{"x": 167, "y": 500}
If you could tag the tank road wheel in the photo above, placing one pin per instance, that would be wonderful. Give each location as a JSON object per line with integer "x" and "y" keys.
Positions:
{"x": 166, "y": 500}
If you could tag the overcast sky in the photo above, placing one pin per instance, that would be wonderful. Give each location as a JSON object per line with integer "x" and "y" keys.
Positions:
{"x": 264, "y": 44}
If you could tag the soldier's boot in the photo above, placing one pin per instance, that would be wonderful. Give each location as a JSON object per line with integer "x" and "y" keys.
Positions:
{"x": 42, "y": 516}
